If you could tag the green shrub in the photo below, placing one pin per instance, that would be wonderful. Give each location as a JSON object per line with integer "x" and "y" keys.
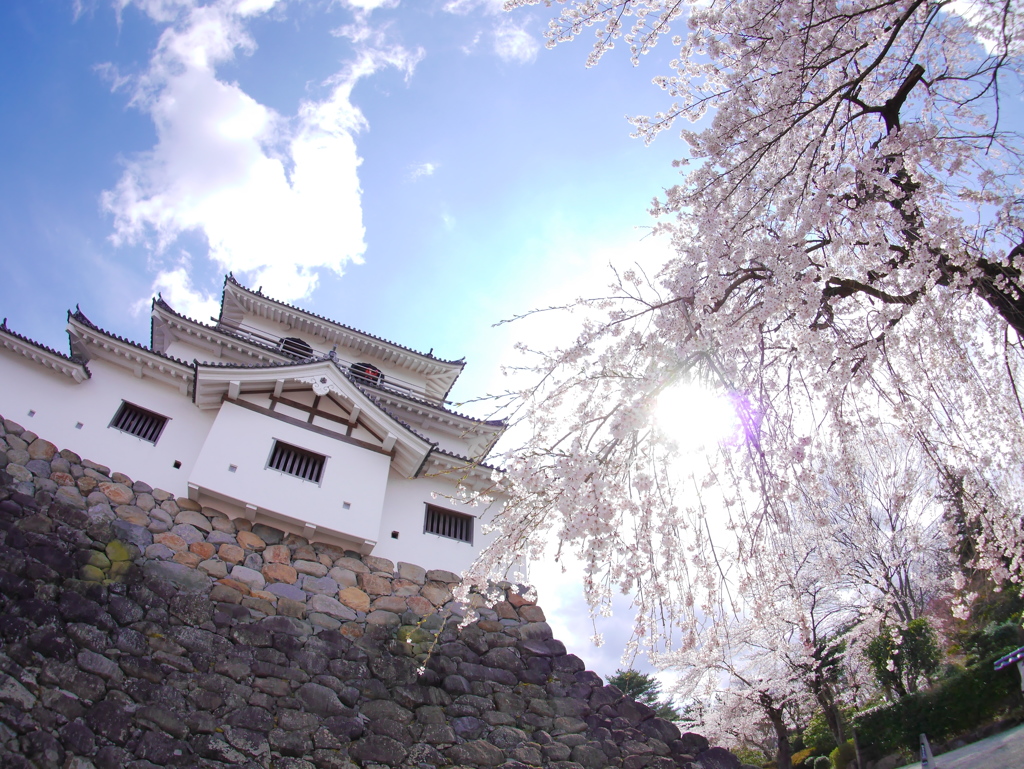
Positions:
{"x": 822, "y": 762}
{"x": 898, "y": 666}
{"x": 817, "y": 735}
{"x": 749, "y": 755}
{"x": 801, "y": 755}
{"x": 843, "y": 755}
{"x": 958, "y": 704}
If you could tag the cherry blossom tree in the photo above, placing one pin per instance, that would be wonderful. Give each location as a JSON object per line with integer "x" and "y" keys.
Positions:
{"x": 848, "y": 242}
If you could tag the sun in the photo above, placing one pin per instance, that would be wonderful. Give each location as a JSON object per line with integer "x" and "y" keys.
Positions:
{"x": 696, "y": 418}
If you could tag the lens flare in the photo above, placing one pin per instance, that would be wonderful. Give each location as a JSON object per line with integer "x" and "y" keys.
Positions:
{"x": 697, "y": 418}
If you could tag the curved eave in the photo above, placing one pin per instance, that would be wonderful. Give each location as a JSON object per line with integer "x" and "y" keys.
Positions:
{"x": 476, "y": 476}
{"x": 478, "y": 436}
{"x": 91, "y": 342}
{"x": 166, "y": 322}
{"x": 44, "y": 356}
{"x": 440, "y": 414}
{"x": 237, "y": 300}
{"x": 218, "y": 382}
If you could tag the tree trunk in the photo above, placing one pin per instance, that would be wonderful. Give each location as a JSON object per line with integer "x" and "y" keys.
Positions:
{"x": 833, "y": 717}
{"x": 784, "y": 753}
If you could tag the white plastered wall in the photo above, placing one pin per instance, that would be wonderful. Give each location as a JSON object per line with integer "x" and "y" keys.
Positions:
{"x": 404, "y": 509}
{"x": 186, "y": 352}
{"x": 352, "y": 476}
{"x": 60, "y": 404}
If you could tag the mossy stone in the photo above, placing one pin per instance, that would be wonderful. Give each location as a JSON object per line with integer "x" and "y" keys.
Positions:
{"x": 92, "y": 574}
{"x": 119, "y": 568}
{"x": 98, "y": 560}
{"x": 414, "y": 635}
{"x": 118, "y": 551}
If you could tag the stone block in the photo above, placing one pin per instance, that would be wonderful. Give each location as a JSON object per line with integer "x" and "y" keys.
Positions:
{"x": 352, "y": 564}
{"x": 438, "y": 594}
{"x": 277, "y": 554}
{"x": 355, "y": 598}
{"x": 312, "y": 568}
{"x": 330, "y": 606}
{"x": 215, "y": 568}
{"x": 532, "y": 613}
{"x": 374, "y": 585}
{"x": 188, "y": 559}
{"x": 194, "y": 518}
{"x": 117, "y": 493}
{"x": 344, "y": 577}
{"x": 250, "y": 541}
{"x": 279, "y": 572}
{"x": 40, "y": 449}
{"x": 203, "y": 549}
{"x": 420, "y": 606}
{"x": 392, "y": 603}
{"x": 252, "y": 579}
{"x": 231, "y": 553}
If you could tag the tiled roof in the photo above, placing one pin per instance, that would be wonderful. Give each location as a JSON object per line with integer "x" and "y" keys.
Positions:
{"x": 231, "y": 278}
{"x": 376, "y": 402}
{"x": 468, "y": 461}
{"x": 79, "y": 316}
{"x": 158, "y": 301}
{"x": 423, "y": 401}
{"x": 43, "y": 347}
{"x": 283, "y": 364}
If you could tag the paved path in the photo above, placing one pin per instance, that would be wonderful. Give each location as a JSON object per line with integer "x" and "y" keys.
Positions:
{"x": 1002, "y": 751}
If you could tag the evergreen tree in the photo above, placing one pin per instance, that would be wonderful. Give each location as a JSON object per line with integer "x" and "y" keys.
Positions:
{"x": 644, "y": 688}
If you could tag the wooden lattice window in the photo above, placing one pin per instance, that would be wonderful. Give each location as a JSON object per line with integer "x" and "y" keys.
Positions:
{"x": 139, "y": 422}
{"x": 447, "y": 523}
{"x": 307, "y": 465}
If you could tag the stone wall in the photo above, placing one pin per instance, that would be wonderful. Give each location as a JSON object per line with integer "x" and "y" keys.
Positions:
{"x": 139, "y": 631}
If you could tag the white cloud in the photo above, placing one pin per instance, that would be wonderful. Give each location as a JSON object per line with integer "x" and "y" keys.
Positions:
{"x": 515, "y": 44}
{"x": 464, "y": 7}
{"x": 176, "y": 288}
{"x": 276, "y": 197}
{"x": 471, "y": 46}
{"x": 422, "y": 169}
{"x": 366, "y": 6}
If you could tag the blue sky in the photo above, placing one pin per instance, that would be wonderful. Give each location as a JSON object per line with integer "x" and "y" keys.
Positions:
{"x": 419, "y": 170}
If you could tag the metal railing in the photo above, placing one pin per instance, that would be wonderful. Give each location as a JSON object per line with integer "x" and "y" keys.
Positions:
{"x": 294, "y": 347}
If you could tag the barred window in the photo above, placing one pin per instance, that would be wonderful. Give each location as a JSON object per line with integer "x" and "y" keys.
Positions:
{"x": 139, "y": 422}
{"x": 298, "y": 462}
{"x": 446, "y": 523}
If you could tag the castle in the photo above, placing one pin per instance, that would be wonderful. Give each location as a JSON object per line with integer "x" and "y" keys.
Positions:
{"x": 272, "y": 414}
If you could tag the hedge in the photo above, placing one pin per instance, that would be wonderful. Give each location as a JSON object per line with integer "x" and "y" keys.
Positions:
{"x": 957, "y": 705}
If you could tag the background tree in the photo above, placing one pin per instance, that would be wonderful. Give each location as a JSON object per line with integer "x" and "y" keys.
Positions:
{"x": 902, "y": 656}
{"x": 644, "y": 688}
